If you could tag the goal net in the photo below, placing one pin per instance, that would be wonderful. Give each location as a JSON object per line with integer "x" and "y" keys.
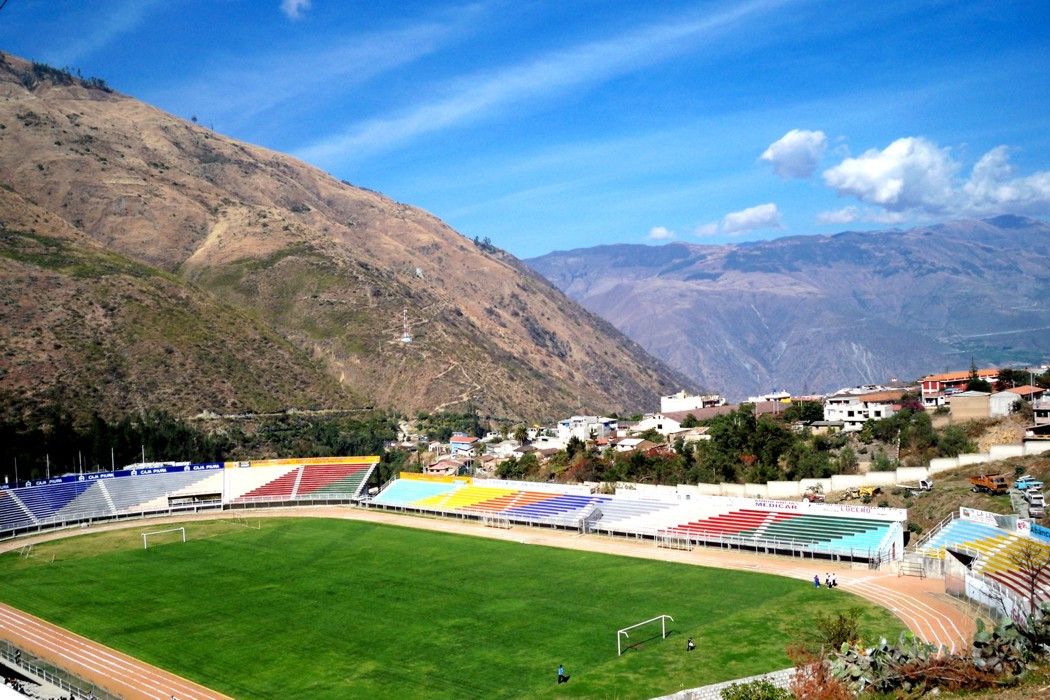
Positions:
{"x": 672, "y": 540}
{"x": 156, "y": 537}
{"x": 501, "y": 522}
{"x": 245, "y": 521}
{"x": 650, "y": 631}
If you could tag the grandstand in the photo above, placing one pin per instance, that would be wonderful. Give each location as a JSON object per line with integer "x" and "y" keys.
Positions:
{"x": 1004, "y": 560}
{"x": 166, "y": 488}
{"x": 835, "y": 531}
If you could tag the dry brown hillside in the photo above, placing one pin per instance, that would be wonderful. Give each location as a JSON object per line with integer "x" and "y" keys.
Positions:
{"x": 329, "y": 267}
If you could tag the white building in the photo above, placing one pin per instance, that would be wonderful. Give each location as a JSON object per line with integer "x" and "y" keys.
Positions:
{"x": 853, "y": 411}
{"x": 774, "y": 396}
{"x": 682, "y": 402}
{"x": 1002, "y": 403}
{"x": 586, "y": 428}
{"x": 658, "y": 422}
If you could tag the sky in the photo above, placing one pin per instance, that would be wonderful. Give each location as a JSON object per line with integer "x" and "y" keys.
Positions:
{"x": 550, "y": 126}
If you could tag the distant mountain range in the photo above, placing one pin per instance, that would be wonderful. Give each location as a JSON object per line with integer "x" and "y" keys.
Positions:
{"x": 147, "y": 262}
{"x": 816, "y": 313}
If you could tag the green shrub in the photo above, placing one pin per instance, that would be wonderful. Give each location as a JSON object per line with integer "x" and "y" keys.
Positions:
{"x": 755, "y": 690}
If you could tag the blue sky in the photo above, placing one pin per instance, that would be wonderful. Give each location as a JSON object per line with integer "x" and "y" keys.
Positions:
{"x": 549, "y": 126}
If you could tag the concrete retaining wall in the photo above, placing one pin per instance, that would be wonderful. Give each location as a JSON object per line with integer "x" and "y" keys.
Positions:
{"x": 1004, "y": 451}
{"x": 839, "y": 482}
{"x": 1036, "y": 447}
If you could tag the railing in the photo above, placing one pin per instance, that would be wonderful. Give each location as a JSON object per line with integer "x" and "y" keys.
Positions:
{"x": 929, "y": 534}
{"x": 49, "y": 673}
{"x": 55, "y": 523}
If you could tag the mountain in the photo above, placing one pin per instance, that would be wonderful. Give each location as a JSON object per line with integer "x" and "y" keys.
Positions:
{"x": 816, "y": 313}
{"x": 223, "y": 276}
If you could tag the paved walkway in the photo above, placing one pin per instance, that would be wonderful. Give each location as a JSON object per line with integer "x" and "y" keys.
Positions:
{"x": 915, "y": 601}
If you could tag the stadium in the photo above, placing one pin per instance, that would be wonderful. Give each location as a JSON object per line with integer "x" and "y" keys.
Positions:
{"x": 277, "y": 577}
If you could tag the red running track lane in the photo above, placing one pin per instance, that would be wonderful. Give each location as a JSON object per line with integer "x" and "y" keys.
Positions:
{"x": 107, "y": 668}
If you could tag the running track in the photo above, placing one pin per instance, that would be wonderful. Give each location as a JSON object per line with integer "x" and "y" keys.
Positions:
{"x": 915, "y": 601}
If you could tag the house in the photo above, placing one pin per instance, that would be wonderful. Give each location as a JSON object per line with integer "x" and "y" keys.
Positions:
{"x": 969, "y": 405}
{"x": 522, "y": 450}
{"x": 779, "y": 396}
{"x": 853, "y": 410}
{"x": 658, "y": 422}
{"x": 1028, "y": 392}
{"x": 449, "y": 466}
{"x": 682, "y": 402}
{"x": 1003, "y": 403}
{"x": 826, "y": 427}
{"x": 461, "y": 444}
{"x": 630, "y": 444}
{"x": 692, "y": 435}
{"x": 586, "y": 428}
{"x": 936, "y": 388}
{"x": 1042, "y": 412}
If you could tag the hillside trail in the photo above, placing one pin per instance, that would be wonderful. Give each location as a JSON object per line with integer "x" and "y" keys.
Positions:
{"x": 919, "y": 603}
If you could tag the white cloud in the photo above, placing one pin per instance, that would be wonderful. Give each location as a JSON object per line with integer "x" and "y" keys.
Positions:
{"x": 752, "y": 219}
{"x": 659, "y": 233}
{"x": 910, "y": 173}
{"x": 295, "y": 8}
{"x": 706, "y": 230}
{"x": 848, "y": 215}
{"x": 117, "y": 19}
{"x": 477, "y": 96}
{"x": 916, "y": 176}
{"x": 845, "y": 215}
{"x": 990, "y": 189}
{"x": 249, "y": 87}
{"x": 797, "y": 153}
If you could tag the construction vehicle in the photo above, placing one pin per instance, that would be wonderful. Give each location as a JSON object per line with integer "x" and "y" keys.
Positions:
{"x": 865, "y": 493}
{"x": 1028, "y": 482}
{"x": 990, "y": 483}
{"x": 814, "y": 494}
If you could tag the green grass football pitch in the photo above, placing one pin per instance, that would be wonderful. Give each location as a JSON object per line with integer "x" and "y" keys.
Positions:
{"x": 337, "y": 609}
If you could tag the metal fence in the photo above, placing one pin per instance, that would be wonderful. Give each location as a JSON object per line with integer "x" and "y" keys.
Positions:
{"x": 44, "y": 670}
{"x": 788, "y": 547}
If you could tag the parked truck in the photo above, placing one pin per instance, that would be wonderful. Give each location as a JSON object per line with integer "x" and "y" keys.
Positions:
{"x": 1028, "y": 482}
{"x": 990, "y": 483}
{"x": 913, "y": 490}
{"x": 1036, "y": 504}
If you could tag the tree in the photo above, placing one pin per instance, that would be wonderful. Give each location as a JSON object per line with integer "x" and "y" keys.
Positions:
{"x": 804, "y": 411}
{"x": 847, "y": 461}
{"x": 1032, "y": 560}
{"x": 573, "y": 446}
{"x": 690, "y": 421}
{"x": 976, "y": 383}
{"x": 521, "y": 434}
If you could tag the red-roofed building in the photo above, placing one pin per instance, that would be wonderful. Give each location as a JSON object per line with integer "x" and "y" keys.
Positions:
{"x": 461, "y": 443}
{"x": 936, "y": 388}
{"x": 1028, "y": 392}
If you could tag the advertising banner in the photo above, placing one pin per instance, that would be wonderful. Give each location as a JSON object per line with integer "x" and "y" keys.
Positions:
{"x": 98, "y": 476}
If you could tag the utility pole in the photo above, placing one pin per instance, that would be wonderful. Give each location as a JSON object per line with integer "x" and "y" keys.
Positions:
{"x": 47, "y": 458}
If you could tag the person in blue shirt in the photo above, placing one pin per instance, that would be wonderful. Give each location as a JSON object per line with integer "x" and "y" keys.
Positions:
{"x": 562, "y": 678}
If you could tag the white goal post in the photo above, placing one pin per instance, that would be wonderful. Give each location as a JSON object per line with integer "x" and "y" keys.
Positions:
{"x": 145, "y": 544}
{"x": 663, "y": 630}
